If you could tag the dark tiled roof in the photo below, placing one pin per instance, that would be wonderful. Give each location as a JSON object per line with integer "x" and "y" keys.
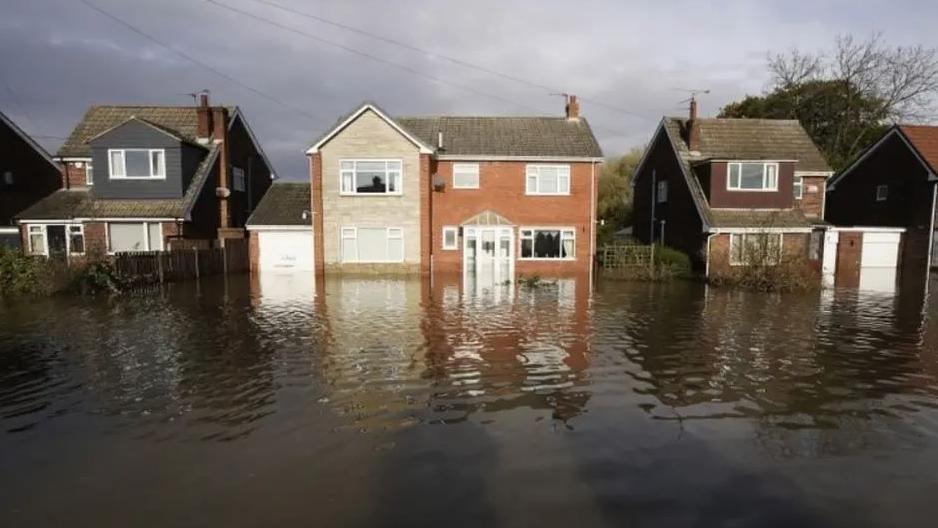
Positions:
{"x": 758, "y": 218}
{"x": 728, "y": 217}
{"x": 925, "y": 141}
{"x": 506, "y": 136}
{"x": 181, "y": 121}
{"x": 753, "y": 139}
{"x": 81, "y": 203}
{"x": 283, "y": 205}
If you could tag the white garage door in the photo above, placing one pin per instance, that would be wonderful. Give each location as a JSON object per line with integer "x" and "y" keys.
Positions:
{"x": 285, "y": 251}
{"x": 878, "y": 262}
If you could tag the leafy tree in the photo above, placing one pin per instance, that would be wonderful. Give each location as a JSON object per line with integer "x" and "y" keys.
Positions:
{"x": 846, "y": 97}
{"x": 614, "y": 208}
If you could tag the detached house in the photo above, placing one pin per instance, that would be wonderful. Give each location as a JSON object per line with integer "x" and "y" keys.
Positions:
{"x": 488, "y": 197}
{"x": 27, "y": 174}
{"x": 144, "y": 178}
{"x": 715, "y": 187}
{"x": 886, "y": 202}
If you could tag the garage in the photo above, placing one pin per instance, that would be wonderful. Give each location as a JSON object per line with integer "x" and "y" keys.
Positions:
{"x": 866, "y": 258}
{"x": 285, "y": 250}
{"x": 281, "y": 230}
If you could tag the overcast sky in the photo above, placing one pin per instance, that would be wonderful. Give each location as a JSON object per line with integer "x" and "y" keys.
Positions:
{"x": 632, "y": 61}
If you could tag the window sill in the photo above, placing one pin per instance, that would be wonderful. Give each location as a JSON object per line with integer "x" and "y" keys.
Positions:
{"x": 371, "y": 195}
{"x": 533, "y": 259}
{"x": 546, "y": 194}
{"x": 752, "y": 190}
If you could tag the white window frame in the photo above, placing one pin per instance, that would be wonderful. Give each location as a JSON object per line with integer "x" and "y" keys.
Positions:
{"x": 238, "y": 180}
{"x": 662, "y": 194}
{"x": 455, "y": 232}
{"x": 765, "y": 176}
{"x": 89, "y": 175}
{"x": 742, "y": 236}
{"x": 8, "y": 177}
{"x": 146, "y": 236}
{"x": 464, "y": 169}
{"x": 43, "y": 229}
{"x": 533, "y": 170}
{"x": 393, "y": 233}
{"x": 533, "y": 229}
{"x": 798, "y": 187}
{"x": 387, "y": 172}
{"x": 156, "y": 172}
{"x": 882, "y": 192}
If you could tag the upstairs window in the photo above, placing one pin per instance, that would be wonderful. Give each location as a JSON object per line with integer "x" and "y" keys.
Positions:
{"x": 752, "y": 176}
{"x": 798, "y": 187}
{"x": 237, "y": 179}
{"x": 371, "y": 176}
{"x": 8, "y": 178}
{"x": 882, "y": 193}
{"x": 465, "y": 176}
{"x": 89, "y": 174}
{"x": 137, "y": 164}
{"x": 547, "y": 179}
{"x": 662, "y": 192}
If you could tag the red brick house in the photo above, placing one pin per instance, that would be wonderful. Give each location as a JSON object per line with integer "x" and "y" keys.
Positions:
{"x": 144, "y": 178}
{"x": 892, "y": 185}
{"x": 714, "y": 187}
{"x": 486, "y": 197}
{"x": 27, "y": 174}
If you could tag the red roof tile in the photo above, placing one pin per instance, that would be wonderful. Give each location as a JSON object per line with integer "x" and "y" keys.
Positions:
{"x": 925, "y": 141}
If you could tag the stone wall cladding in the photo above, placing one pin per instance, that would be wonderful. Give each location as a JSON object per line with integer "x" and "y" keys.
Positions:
{"x": 369, "y": 136}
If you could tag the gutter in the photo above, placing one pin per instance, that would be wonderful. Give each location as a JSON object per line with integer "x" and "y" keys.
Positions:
{"x": 707, "y": 263}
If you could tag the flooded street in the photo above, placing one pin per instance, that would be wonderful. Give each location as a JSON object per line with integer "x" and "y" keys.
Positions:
{"x": 400, "y": 402}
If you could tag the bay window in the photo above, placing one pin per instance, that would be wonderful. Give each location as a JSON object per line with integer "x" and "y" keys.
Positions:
{"x": 553, "y": 244}
{"x": 370, "y": 176}
{"x": 134, "y": 236}
{"x": 547, "y": 179}
{"x": 372, "y": 244}
{"x": 752, "y": 176}
{"x": 755, "y": 249}
{"x": 137, "y": 164}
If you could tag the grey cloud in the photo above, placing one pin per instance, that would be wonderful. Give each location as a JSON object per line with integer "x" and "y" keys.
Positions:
{"x": 58, "y": 56}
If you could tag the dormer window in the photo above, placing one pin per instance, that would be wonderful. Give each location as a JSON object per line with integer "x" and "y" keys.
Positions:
{"x": 752, "y": 176}
{"x": 137, "y": 164}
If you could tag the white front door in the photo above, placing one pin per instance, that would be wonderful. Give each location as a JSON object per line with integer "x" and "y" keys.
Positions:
{"x": 488, "y": 255}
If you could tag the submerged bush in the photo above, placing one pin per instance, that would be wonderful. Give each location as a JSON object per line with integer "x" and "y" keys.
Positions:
{"x": 668, "y": 264}
{"x": 22, "y": 274}
{"x": 99, "y": 277}
{"x": 768, "y": 269}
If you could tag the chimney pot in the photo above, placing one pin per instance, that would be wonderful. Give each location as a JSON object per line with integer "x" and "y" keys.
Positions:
{"x": 573, "y": 107}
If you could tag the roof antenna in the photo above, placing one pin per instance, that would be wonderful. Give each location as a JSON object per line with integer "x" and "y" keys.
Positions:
{"x": 692, "y": 100}
{"x": 195, "y": 95}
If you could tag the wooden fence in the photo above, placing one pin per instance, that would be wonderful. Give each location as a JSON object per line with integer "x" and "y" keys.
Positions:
{"x": 623, "y": 256}
{"x": 152, "y": 267}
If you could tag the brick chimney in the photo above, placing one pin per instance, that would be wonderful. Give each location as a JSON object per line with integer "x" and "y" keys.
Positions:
{"x": 223, "y": 190}
{"x": 573, "y": 107}
{"x": 204, "y": 128}
{"x": 693, "y": 127}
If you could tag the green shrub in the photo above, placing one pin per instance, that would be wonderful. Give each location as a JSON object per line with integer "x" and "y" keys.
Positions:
{"x": 99, "y": 277}
{"x": 22, "y": 274}
{"x": 671, "y": 262}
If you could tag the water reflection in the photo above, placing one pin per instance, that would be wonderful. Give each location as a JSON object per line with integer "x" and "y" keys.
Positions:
{"x": 387, "y": 387}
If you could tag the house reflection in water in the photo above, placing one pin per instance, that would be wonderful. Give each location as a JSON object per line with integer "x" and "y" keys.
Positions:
{"x": 394, "y": 352}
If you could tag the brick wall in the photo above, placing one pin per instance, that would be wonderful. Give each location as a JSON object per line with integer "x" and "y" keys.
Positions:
{"x": 812, "y": 197}
{"x": 502, "y": 190}
{"x": 794, "y": 245}
{"x": 75, "y": 176}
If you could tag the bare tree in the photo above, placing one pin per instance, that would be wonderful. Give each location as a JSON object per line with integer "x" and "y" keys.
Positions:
{"x": 904, "y": 80}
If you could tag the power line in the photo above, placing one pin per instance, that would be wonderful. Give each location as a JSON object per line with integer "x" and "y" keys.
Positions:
{"x": 375, "y": 58}
{"x": 196, "y": 61}
{"x": 440, "y": 56}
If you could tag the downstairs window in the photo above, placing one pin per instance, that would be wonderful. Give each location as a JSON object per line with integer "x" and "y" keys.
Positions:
{"x": 755, "y": 249}
{"x": 549, "y": 244}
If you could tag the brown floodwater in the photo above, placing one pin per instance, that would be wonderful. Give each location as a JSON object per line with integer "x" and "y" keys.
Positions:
{"x": 403, "y": 402}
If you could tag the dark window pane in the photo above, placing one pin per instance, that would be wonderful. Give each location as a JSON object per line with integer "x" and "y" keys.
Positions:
{"x": 370, "y": 182}
{"x": 547, "y": 244}
{"x": 527, "y": 248}
{"x": 137, "y": 163}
